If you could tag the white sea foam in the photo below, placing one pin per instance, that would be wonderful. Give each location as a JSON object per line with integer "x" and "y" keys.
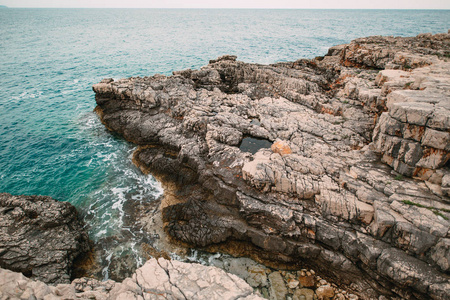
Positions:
{"x": 213, "y": 257}
{"x": 105, "y": 271}
{"x": 101, "y": 233}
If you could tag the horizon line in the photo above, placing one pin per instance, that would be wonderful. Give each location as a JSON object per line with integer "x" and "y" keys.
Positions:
{"x": 286, "y": 8}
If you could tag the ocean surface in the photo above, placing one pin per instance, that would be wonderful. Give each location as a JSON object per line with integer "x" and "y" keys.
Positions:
{"x": 51, "y": 143}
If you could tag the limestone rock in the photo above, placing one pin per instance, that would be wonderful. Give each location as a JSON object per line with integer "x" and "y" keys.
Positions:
{"x": 40, "y": 237}
{"x": 278, "y": 289}
{"x": 281, "y": 148}
{"x": 415, "y": 114}
{"x": 303, "y": 294}
{"x": 155, "y": 280}
{"x": 358, "y": 163}
{"x": 446, "y": 185}
{"x": 307, "y": 281}
{"x": 253, "y": 273}
{"x": 325, "y": 292}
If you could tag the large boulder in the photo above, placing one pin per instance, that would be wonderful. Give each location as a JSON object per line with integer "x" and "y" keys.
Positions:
{"x": 40, "y": 237}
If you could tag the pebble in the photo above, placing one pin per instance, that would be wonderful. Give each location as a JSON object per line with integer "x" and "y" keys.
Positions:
{"x": 323, "y": 282}
{"x": 292, "y": 283}
{"x": 325, "y": 292}
{"x": 339, "y": 297}
{"x": 290, "y": 276}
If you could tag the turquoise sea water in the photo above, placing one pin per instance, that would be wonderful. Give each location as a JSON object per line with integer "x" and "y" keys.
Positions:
{"x": 51, "y": 143}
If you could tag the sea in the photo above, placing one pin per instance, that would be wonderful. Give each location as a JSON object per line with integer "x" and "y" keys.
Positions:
{"x": 51, "y": 141}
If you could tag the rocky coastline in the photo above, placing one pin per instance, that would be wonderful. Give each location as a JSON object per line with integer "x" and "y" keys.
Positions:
{"x": 339, "y": 162}
{"x": 42, "y": 241}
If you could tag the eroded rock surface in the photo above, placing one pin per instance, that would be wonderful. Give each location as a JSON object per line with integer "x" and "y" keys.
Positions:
{"x": 157, "y": 279}
{"x": 356, "y": 182}
{"x": 40, "y": 237}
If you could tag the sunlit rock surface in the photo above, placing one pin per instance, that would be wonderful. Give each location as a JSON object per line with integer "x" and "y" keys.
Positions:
{"x": 157, "y": 279}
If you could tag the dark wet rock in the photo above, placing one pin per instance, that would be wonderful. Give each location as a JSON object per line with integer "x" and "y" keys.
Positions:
{"x": 357, "y": 174}
{"x": 40, "y": 237}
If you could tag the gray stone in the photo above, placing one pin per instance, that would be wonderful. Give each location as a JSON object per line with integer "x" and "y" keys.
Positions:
{"x": 440, "y": 253}
{"x": 277, "y": 288}
{"x": 436, "y": 139}
{"x": 303, "y": 294}
{"x": 40, "y": 237}
{"x": 406, "y": 270}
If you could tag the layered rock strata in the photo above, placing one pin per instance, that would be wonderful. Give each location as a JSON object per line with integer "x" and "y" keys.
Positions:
{"x": 40, "y": 237}
{"x": 157, "y": 279}
{"x": 356, "y": 180}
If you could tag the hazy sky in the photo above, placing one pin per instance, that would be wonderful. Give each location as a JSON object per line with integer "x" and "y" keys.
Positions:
{"x": 392, "y": 4}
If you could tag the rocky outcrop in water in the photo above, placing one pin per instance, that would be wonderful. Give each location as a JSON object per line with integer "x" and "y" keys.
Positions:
{"x": 40, "y": 237}
{"x": 157, "y": 279}
{"x": 355, "y": 181}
